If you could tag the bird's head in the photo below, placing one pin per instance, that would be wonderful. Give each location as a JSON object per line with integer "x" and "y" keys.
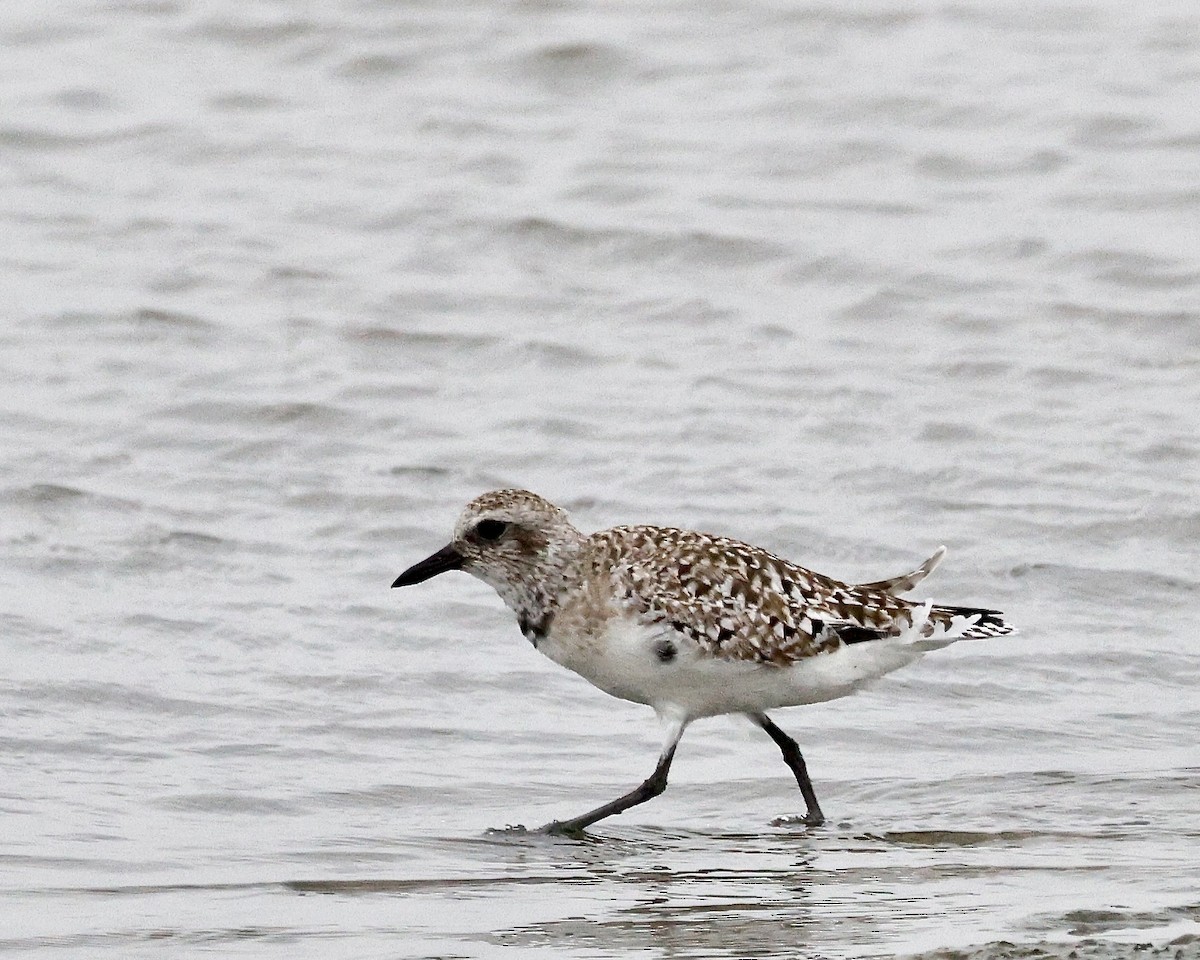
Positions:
{"x": 518, "y": 543}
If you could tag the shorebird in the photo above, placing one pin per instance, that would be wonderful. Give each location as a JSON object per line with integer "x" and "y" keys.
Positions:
{"x": 691, "y": 624}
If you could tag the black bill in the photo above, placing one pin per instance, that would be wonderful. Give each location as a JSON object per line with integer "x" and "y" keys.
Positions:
{"x": 445, "y": 559}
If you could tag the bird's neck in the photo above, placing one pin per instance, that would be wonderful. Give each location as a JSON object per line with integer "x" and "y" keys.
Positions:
{"x": 536, "y": 600}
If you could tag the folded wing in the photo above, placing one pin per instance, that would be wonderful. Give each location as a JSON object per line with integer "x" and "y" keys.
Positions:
{"x": 739, "y": 602}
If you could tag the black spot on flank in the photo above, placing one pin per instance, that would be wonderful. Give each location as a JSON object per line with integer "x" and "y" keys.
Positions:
{"x": 665, "y": 651}
{"x": 789, "y": 631}
{"x": 788, "y": 585}
{"x": 723, "y": 635}
{"x": 534, "y": 630}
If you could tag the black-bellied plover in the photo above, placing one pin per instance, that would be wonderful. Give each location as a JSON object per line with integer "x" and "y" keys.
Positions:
{"x": 691, "y": 624}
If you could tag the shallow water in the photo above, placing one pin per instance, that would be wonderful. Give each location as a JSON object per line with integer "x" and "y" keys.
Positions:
{"x": 286, "y": 284}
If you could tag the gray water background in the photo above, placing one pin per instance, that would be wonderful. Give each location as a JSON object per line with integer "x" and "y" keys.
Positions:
{"x": 286, "y": 283}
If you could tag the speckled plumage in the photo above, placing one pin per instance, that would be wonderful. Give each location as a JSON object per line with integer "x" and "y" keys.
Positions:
{"x": 733, "y": 600}
{"x": 736, "y": 601}
{"x": 690, "y": 623}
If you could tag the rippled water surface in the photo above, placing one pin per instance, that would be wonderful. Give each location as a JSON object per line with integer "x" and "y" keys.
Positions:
{"x": 284, "y": 284}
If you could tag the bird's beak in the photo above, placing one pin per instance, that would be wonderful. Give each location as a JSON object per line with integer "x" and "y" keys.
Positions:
{"x": 445, "y": 559}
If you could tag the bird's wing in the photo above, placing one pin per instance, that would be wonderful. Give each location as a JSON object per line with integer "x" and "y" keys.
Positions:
{"x": 739, "y": 602}
{"x": 906, "y": 581}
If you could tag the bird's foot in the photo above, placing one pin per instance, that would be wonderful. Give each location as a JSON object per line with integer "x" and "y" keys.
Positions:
{"x": 814, "y": 818}
{"x": 509, "y": 830}
{"x": 555, "y": 828}
{"x": 563, "y": 828}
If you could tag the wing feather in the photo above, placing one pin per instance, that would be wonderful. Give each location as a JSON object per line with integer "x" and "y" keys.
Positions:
{"x": 739, "y": 602}
{"x": 907, "y": 581}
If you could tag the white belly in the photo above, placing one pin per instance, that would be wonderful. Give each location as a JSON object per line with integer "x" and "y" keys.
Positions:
{"x": 625, "y": 662}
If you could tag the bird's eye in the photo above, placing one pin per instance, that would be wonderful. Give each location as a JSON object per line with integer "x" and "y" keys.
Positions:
{"x": 490, "y": 529}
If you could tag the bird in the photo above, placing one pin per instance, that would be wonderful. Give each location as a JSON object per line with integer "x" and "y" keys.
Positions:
{"x": 692, "y": 624}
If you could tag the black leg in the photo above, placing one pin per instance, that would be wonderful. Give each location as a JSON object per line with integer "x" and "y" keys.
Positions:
{"x": 648, "y": 789}
{"x": 794, "y": 759}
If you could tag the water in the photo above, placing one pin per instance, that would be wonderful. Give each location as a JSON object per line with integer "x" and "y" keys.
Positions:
{"x": 286, "y": 284}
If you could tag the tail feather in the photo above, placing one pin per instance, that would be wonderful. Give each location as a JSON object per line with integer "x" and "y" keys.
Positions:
{"x": 988, "y": 623}
{"x": 906, "y": 581}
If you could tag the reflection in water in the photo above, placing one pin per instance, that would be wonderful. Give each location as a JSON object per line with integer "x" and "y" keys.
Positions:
{"x": 677, "y": 893}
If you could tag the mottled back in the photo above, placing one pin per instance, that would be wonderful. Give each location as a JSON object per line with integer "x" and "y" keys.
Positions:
{"x": 737, "y": 601}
